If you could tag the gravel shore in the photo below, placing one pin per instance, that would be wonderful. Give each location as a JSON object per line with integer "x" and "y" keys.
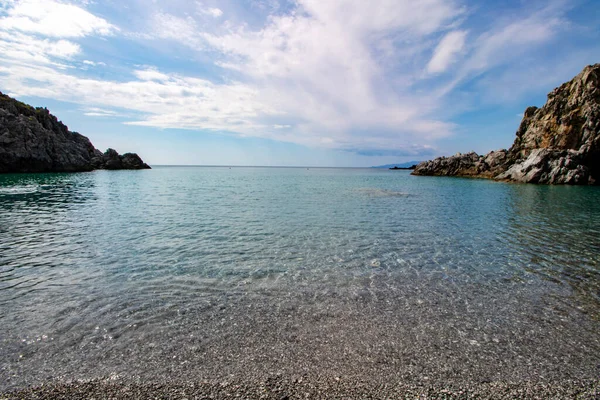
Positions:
{"x": 325, "y": 348}
{"x": 280, "y": 388}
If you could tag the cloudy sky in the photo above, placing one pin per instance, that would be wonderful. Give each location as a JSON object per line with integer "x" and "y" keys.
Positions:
{"x": 305, "y": 82}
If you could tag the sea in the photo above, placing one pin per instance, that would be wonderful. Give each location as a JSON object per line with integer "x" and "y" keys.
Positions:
{"x": 202, "y": 273}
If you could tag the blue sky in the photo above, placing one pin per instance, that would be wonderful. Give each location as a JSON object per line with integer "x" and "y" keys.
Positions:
{"x": 305, "y": 82}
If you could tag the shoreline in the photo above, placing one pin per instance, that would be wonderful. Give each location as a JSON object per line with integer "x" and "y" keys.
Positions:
{"x": 297, "y": 387}
{"x": 375, "y": 344}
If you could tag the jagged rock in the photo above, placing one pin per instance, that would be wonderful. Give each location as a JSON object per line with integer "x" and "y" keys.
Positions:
{"x": 470, "y": 164}
{"x": 569, "y": 120}
{"x": 465, "y": 164}
{"x": 550, "y": 167}
{"x": 33, "y": 140}
{"x": 113, "y": 160}
{"x": 556, "y": 144}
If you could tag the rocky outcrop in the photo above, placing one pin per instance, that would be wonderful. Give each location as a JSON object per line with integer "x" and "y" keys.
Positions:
{"x": 470, "y": 164}
{"x": 33, "y": 140}
{"x": 550, "y": 167}
{"x": 556, "y": 144}
{"x": 113, "y": 160}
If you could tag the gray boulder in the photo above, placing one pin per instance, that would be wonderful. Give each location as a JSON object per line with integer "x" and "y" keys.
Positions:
{"x": 550, "y": 167}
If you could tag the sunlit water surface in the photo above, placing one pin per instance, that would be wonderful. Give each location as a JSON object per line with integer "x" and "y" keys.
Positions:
{"x": 197, "y": 273}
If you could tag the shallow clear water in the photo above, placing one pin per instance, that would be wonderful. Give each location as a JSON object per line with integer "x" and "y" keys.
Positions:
{"x": 203, "y": 272}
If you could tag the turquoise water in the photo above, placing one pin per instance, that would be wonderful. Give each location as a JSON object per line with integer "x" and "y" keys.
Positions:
{"x": 202, "y": 272}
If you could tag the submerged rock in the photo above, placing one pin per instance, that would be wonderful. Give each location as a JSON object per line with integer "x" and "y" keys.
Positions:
{"x": 556, "y": 144}
{"x": 33, "y": 140}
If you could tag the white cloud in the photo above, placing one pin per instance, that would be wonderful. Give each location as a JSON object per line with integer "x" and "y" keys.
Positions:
{"x": 213, "y": 12}
{"x": 93, "y": 63}
{"x": 418, "y": 17}
{"x": 177, "y": 101}
{"x": 53, "y": 19}
{"x": 168, "y": 26}
{"x": 506, "y": 42}
{"x": 151, "y": 74}
{"x": 63, "y": 48}
{"x": 354, "y": 75}
{"x": 19, "y": 48}
{"x": 319, "y": 66}
{"x": 35, "y": 32}
{"x": 446, "y": 51}
{"x": 508, "y": 48}
{"x": 101, "y": 112}
{"x": 188, "y": 103}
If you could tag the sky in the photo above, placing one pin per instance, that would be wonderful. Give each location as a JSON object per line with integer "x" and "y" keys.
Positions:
{"x": 344, "y": 83}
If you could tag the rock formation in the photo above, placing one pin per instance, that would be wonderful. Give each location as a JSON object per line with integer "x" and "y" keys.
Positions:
{"x": 556, "y": 144}
{"x": 113, "y": 160}
{"x": 33, "y": 140}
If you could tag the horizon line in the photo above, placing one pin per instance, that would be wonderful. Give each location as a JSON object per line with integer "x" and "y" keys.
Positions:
{"x": 256, "y": 166}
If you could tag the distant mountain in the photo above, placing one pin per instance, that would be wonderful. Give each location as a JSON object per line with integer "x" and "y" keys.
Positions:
{"x": 399, "y": 165}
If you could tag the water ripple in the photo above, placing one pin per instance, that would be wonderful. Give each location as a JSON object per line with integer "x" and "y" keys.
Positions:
{"x": 113, "y": 261}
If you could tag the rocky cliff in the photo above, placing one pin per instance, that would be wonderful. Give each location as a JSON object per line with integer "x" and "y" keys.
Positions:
{"x": 33, "y": 140}
{"x": 556, "y": 144}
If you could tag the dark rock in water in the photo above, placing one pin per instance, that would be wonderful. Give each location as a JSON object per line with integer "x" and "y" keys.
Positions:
{"x": 404, "y": 168}
{"x": 112, "y": 160}
{"x": 33, "y": 140}
{"x": 404, "y": 165}
{"x": 556, "y": 144}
